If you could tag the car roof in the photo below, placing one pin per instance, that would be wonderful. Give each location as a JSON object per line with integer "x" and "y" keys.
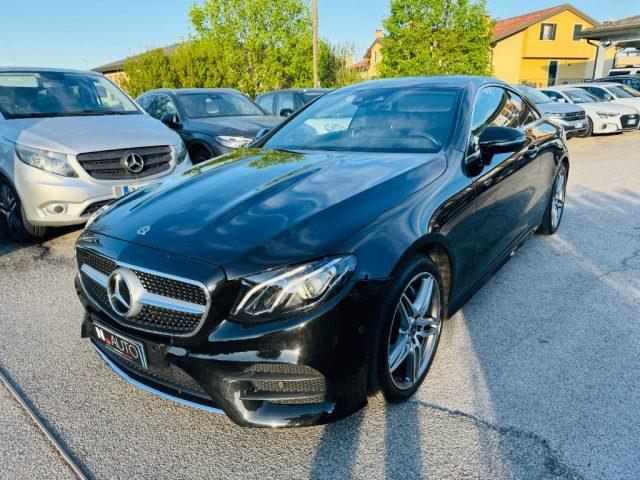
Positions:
{"x": 298, "y": 90}
{"x": 178, "y": 91}
{"x": 628, "y": 75}
{"x": 39, "y": 69}
{"x": 459, "y": 81}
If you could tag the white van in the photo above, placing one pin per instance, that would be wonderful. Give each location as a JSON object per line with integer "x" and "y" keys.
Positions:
{"x": 70, "y": 143}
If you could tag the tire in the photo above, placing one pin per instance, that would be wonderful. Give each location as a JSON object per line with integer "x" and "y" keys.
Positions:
{"x": 12, "y": 213}
{"x": 589, "y": 131}
{"x": 199, "y": 154}
{"x": 553, "y": 217}
{"x": 397, "y": 380}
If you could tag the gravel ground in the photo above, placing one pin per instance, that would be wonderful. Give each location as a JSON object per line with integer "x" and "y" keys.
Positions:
{"x": 538, "y": 376}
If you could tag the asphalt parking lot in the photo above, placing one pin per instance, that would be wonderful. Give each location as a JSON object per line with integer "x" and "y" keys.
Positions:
{"x": 538, "y": 376}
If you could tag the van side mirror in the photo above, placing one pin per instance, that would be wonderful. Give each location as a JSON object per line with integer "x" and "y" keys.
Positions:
{"x": 262, "y": 133}
{"x": 171, "y": 120}
{"x": 495, "y": 140}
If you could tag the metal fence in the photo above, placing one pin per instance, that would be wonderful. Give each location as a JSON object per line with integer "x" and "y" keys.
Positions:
{"x": 546, "y": 82}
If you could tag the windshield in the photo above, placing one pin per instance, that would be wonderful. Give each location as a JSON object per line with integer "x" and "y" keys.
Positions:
{"x": 397, "y": 120}
{"x": 217, "y": 104}
{"x": 624, "y": 91}
{"x": 58, "y": 94}
{"x": 580, "y": 96}
{"x": 536, "y": 96}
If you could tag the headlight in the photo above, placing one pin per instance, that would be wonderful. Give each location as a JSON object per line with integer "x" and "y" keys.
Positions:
{"x": 233, "y": 142}
{"x": 97, "y": 213}
{"x": 279, "y": 293}
{"x": 53, "y": 162}
{"x": 607, "y": 115}
{"x": 180, "y": 151}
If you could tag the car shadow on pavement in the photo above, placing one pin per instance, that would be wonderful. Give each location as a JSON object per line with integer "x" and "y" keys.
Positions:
{"x": 54, "y": 238}
{"x": 549, "y": 349}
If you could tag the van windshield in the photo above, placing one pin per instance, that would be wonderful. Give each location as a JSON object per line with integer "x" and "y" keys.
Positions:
{"x": 60, "y": 94}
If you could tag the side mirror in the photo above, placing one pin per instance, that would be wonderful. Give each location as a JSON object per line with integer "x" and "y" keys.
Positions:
{"x": 262, "y": 133}
{"x": 286, "y": 112}
{"x": 494, "y": 140}
{"x": 171, "y": 120}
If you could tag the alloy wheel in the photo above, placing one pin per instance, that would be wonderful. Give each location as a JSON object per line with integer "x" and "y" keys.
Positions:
{"x": 557, "y": 202}
{"x": 9, "y": 209}
{"x": 415, "y": 331}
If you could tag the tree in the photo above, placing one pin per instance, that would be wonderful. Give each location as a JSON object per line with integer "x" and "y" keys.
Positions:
{"x": 266, "y": 44}
{"x": 147, "y": 71}
{"x": 436, "y": 37}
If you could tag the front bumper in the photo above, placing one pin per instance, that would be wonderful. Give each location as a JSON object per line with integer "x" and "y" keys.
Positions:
{"x": 56, "y": 201}
{"x": 573, "y": 128}
{"x": 305, "y": 370}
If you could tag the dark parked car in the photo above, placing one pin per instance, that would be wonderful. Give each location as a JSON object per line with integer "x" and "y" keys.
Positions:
{"x": 632, "y": 81}
{"x": 283, "y": 103}
{"x": 211, "y": 122}
{"x": 571, "y": 117}
{"x": 281, "y": 284}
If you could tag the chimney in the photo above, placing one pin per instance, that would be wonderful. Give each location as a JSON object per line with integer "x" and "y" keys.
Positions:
{"x": 379, "y": 33}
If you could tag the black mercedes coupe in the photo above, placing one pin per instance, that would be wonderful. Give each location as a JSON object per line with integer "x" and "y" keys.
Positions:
{"x": 283, "y": 283}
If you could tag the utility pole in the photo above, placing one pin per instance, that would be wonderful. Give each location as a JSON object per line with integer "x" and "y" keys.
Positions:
{"x": 316, "y": 81}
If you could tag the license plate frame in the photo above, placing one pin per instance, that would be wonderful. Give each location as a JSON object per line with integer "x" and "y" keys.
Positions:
{"x": 122, "y": 346}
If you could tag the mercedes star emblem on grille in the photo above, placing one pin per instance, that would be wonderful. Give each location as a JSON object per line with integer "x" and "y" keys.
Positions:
{"x": 134, "y": 162}
{"x": 124, "y": 291}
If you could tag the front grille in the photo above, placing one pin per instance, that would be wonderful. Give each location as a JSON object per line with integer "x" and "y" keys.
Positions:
{"x": 575, "y": 116}
{"x": 173, "y": 315}
{"x": 172, "y": 288}
{"x": 629, "y": 121}
{"x": 110, "y": 165}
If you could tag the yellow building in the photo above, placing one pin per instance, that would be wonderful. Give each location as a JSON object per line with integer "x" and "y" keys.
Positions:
{"x": 544, "y": 47}
{"x": 539, "y": 48}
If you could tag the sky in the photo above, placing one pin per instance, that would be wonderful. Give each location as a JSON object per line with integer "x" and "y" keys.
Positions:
{"x": 87, "y": 33}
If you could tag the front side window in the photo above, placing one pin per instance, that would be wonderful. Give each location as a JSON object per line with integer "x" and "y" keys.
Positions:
{"x": 160, "y": 106}
{"x": 599, "y": 93}
{"x": 548, "y": 31}
{"x": 60, "y": 94}
{"x": 286, "y": 101}
{"x": 392, "y": 120}
{"x": 214, "y": 104}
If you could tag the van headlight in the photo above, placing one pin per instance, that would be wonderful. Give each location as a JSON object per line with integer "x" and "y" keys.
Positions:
{"x": 52, "y": 162}
{"x": 276, "y": 294}
{"x": 233, "y": 142}
{"x": 180, "y": 151}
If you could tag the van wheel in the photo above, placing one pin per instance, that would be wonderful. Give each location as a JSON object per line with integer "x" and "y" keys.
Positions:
{"x": 20, "y": 230}
{"x": 199, "y": 154}
{"x": 408, "y": 329}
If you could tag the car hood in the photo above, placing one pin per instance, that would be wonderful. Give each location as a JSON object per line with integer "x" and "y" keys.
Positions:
{"x": 247, "y": 126}
{"x": 633, "y": 102}
{"x": 73, "y": 135}
{"x": 552, "y": 107}
{"x": 608, "y": 107}
{"x": 253, "y": 210}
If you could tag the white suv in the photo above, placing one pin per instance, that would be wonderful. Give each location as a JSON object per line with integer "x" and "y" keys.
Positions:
{"x": 70, "y": 143}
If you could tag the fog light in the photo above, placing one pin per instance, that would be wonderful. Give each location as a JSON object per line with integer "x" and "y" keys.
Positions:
{"x": 56, "y": 209}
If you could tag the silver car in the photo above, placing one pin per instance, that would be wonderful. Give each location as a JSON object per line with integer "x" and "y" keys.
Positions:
{"x": 70, "y": 143}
